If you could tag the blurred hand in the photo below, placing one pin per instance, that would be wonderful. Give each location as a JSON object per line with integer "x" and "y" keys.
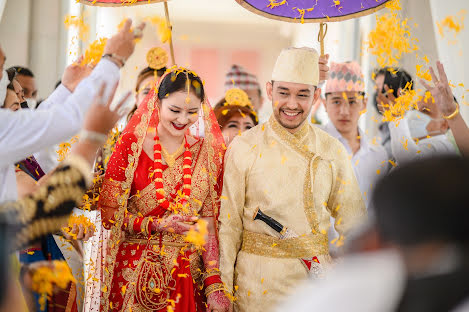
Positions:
{"x": 100, "y": 118}
{"x": 79, "y": 232}
{"x": 323, "y": 68}
{"x": 441, "y": 91}
{"x": 387, "y": 99}
{"x": 31, "y": 268}
{"x": 74, "y": 74}
{"x": 122, "y": 44}
{"x": 174, "y": 224}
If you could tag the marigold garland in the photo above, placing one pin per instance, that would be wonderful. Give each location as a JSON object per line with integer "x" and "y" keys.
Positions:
{"x": 158, "y": 165}
{"x": 45, "y": 278}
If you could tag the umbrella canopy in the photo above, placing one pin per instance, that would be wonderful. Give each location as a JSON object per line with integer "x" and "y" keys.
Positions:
{"x": 312, "y": 11}
{"x": 118, "y": 2}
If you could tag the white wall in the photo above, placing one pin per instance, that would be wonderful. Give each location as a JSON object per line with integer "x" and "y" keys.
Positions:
{"x": 32, "y": 35}
{"x": 15, "y": 32}
{"x": 454, "y": 56}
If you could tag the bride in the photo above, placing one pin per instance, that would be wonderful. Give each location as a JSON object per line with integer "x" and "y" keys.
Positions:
{"x": 159, "y": 182}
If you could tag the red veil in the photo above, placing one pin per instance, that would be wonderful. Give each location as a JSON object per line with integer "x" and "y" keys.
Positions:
{"x": 120, "y": 172}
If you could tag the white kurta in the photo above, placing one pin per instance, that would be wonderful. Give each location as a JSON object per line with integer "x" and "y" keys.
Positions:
{"x": 369, "y": 163}
{"x": 367, "y": 282}
{"x": 60, "y": 117}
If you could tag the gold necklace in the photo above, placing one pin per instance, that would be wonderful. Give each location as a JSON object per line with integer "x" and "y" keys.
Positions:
{"x": 171, "y": 158}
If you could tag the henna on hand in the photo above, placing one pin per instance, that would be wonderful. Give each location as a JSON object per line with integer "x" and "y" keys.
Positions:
{"x": 218, "y": 301}
{"x": 178, "y": 224}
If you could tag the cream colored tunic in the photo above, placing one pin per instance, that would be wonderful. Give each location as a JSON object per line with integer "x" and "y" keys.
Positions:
{"x": 300, "y": 180}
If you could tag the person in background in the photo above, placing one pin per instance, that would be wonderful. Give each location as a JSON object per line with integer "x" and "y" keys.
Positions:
{"x": 19, "y": 219}
{"x": 27, "y": 81}
{"x": 12, "y": 101}
{"x": 427, "y": 126}
{"x": 17, "y": 87}
{"x": 238, "y": 77}
{"x": 449, "y": 108}
{"x": 395, "y": 79}
{"x": 235, "y": 114}
{"x": 4, "y": 81}
{"x": 61, "y": 115}
{"x": 345, "y": 101}
{"x": 414, "y": 257}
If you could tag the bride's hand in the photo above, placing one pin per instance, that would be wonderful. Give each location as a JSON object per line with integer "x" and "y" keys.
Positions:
{"x": 174, "y": 223}
{"x": 218, "y": 302}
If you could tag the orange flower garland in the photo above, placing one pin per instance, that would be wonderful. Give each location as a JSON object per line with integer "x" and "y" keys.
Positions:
{"x": 187, "y": 173}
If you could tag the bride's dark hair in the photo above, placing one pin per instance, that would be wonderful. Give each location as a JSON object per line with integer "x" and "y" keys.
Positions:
{"x": 175, "y": 82}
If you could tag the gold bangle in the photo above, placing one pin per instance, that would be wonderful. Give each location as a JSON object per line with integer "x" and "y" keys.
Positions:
{"x": 213, "y": 288}
{"x": 456, "y": 111}
{"x": 210, "y": 273}
{"x": 130, "y": 224}
{"x": 144, "y": 226}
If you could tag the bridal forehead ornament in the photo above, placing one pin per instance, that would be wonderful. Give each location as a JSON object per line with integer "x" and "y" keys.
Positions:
{"x": 175, "y": 70}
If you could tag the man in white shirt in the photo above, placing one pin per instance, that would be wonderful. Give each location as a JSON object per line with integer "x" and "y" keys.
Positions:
{"x": 424, "y": 132}
{"x": 60, "y": 116}
{"x": 345, "y": 102}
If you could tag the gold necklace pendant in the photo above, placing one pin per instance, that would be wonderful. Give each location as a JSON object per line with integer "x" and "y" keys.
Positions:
{"x": 171, "y": 158}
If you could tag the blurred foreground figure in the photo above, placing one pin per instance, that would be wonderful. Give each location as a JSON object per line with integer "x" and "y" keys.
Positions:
{"x": 416, "y": 255}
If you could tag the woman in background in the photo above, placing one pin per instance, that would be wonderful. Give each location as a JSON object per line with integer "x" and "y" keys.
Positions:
{"x": 235, "y": 114}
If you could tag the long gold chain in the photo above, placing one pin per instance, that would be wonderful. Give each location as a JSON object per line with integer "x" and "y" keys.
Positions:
{"x": 171, "y": 158}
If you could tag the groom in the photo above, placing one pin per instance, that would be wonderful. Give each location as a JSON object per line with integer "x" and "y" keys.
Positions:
{"x": 296, "y": 174}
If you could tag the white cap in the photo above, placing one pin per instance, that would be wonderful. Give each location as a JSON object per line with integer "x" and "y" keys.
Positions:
{"x": 297, "y": 65}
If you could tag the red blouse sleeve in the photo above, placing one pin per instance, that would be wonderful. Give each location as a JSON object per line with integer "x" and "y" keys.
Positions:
{"x": 111, "y": 189}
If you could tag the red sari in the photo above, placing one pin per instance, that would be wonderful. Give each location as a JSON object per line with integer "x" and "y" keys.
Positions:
{"x": 151, "y": 274}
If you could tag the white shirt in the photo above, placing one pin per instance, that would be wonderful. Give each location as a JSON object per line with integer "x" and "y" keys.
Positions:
{"x": 58, "y": 118}
{"x": 369, "y": 163}
{"x": 367, "y": 282}
{"x": 405, "y": 149}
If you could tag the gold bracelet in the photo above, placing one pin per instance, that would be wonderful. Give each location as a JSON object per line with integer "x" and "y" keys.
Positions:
{"x": 213, "y": 288}
{"x": 456, "y": 111}
{"x": 144, "y": 226}
{"x": 209, "y": 273}
{"x": 130, "y": 224}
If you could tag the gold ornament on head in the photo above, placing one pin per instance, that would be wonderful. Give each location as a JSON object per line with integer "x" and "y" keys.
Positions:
{"x": 237, "y": 97}
{"x": 157, "y": 58}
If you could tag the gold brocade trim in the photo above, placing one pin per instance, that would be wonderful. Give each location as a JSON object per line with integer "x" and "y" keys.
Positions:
{"x": 152, "y": 277}
{"x": 110, "y": 191}
{"x": 130, "y": 225}
{"x": 293, "y": 140}
{"x": 212, "y": 164}
{"x": 299, "y": 247}
{"x": 115, "y": 235}
{"x": 146, "y": 201}
{"x": 155, "y": 242}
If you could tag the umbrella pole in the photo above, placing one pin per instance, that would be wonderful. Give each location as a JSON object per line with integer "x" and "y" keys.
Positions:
{"x": 322, "y": 35}
{"x": 168, "y": 22}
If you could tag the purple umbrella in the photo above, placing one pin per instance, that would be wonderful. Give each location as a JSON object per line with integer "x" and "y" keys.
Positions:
{"x": 313, "y": 11}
